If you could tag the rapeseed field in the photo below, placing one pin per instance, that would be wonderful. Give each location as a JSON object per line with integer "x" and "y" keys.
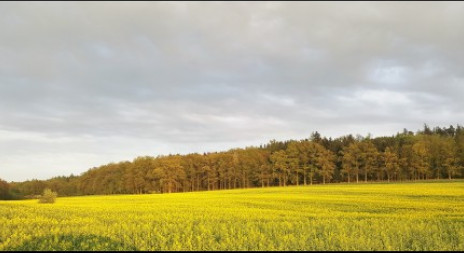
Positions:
{"x": 377, "y": 216}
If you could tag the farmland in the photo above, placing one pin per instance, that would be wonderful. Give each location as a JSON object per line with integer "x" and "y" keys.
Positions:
{"x": 426, "y": 215}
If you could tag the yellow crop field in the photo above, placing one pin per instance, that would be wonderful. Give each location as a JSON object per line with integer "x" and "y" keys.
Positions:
{"x": 396, "y": 216}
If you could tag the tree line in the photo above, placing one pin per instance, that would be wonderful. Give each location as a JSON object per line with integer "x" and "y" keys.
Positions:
{"x": 436, "y": 153}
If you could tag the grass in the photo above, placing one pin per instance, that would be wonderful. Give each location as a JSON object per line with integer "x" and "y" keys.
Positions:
{"x": 393, "y": 216}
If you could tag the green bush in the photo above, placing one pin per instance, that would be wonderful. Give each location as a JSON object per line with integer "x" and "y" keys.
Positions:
{"x": 48, "y": 196}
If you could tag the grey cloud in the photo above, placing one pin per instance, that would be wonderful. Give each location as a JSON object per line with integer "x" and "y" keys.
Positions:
{"x": 122, "y": 79}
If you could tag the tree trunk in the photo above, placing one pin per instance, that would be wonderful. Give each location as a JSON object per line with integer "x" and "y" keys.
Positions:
{"x": 297, "y": 179}
{"x": 357, "y": 177}
{"x": 304, "y": 177}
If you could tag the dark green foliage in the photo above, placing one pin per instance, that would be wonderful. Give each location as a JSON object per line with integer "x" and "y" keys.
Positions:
{"x": 4, "y": 190}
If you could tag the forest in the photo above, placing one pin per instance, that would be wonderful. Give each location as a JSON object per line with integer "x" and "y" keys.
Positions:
{"x": 436, "y": 153}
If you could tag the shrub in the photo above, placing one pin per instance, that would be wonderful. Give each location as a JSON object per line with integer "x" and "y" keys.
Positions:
{"x": 48, "y": 196}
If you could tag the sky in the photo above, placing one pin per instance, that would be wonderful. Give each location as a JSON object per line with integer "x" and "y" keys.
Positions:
{"x": 84, "y": 84}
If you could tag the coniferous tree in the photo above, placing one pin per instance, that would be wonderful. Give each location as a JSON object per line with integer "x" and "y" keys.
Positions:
{"x": 294, "y": 161}
{"x": 391, "y": 163}
{"x": 326, "y": 164}
{"x": 351, "y": 161}
{"x": 369, "y": 156}
{"x": 429, "y": 153}
{"x": 279, "y": 161}
{"x": 420, "y": 159}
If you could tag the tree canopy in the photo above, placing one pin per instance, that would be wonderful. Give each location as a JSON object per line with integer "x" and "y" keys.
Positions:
{"x": 429, "y": 153}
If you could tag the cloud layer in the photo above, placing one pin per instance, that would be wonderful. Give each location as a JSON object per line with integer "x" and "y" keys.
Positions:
{"x": 83, "y": 84}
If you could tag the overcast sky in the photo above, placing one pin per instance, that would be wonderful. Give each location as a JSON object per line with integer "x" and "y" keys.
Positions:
{"x": 83, "y": 84}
